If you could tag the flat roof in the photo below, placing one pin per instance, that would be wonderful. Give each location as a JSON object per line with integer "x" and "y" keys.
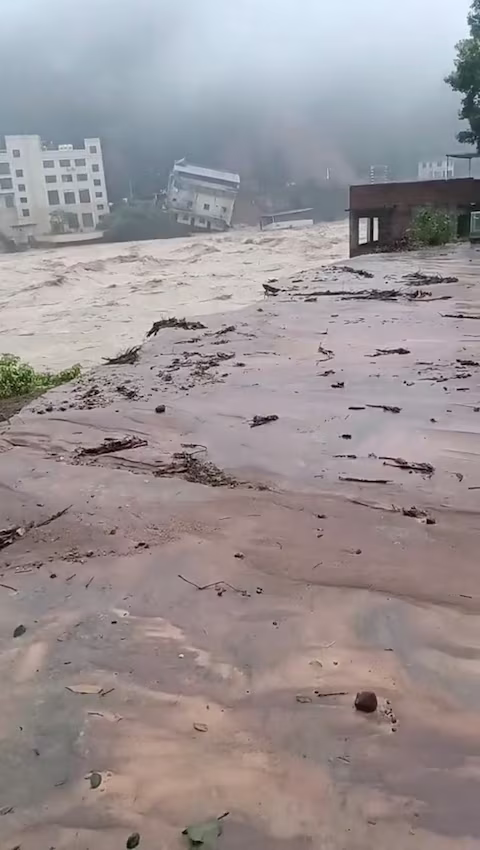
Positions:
{"x": 287, "y": 212}
{"x": 200, "y": 171}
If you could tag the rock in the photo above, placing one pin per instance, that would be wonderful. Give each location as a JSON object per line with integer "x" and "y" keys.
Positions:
{"x": 19, "y": 631}
{"x": 366, "y": 701}
{"x": 160, "y": 408}
{"x": 133, "y": 840}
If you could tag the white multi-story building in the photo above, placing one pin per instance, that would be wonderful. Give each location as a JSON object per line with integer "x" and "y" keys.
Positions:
{"x": 46, "y": 189}
{"x": 201, "y": 197}
{"x": 440, "y": 169}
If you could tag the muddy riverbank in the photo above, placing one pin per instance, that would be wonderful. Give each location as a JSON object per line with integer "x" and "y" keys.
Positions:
{"x": 200, "y": 618}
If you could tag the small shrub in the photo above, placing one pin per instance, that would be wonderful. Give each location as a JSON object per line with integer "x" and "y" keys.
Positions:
{"x": 21, "y": 379}
{"x": 431, "y": 227}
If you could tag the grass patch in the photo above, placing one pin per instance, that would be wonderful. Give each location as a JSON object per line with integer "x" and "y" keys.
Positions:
{"x": 18, "y": 379}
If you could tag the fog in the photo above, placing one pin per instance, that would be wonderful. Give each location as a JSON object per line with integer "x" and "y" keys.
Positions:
{"x": 307, "y": 84}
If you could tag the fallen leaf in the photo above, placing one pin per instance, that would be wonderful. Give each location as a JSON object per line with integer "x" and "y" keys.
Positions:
{"x": 133, "y": 840}
{"x": 200, "y": 727}
{"x": 303, "y": 699}
{"x": 84, "y": 689}
{"x": 95, "y": 780}
{"x": 19, "y": 631}
{"x": 6, "y": 810}
{"x": 205, "y": 834}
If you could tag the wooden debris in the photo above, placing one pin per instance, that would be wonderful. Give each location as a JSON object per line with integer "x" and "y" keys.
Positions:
{"x": 11, "y": 535}
{"x": 384, "y": 351}
{"x": 263, "y": 420}
{"x": 422, "y": 468}
{"x": 111, "y": 445}
{"x": 129, "y": 356}
{"x": 173, "y": 322}
{"x": 364, "y": 480}
{"x": 386, "y": 408}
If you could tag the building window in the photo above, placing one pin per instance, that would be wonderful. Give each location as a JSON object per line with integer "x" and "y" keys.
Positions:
{"x": 224, "y": 209}
{"x": 80, "y": 162}
{"x": 6, "y": 183}
{"x": 99, "y": 194}
{"x": 206, "y": 206}
{"x": 26, "y": 213}
{"x": 93, "y": 148}
{"x": 201, "y": 221}
{"x": 16, "y": 153}
{"x": 72, "y": 221}
{"x": 95, "y": 168}
{"x": 48, "y": 163}
{"x": 21, "y": 187}
{"x": 100, "y": 207}
{"x": 23, "y": 200}
{"x": 50, "y": 178}
{"x": 19, "y": 172}
{"x": 84, "y": 196}
{"x": 9, "y": 201}
{"x": 53, "y": 198}
{"x": 69, "y": 197}
{"x": 67, "y": 178}
{"x": 189, "y": 205}
{"x": 4, "y": 168}
{"x": 101, "y": 217}
{"x": 82, "y": 178}
{"x": 87, "y": 219}
{"x": 97, "y": 182}
{"x": 64, "y": 163}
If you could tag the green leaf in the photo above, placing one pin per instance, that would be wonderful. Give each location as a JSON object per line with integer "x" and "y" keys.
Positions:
{"x": 204, "y": 834}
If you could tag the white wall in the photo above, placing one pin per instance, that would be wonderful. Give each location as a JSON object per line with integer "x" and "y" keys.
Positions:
{"x": 33, "y": 198}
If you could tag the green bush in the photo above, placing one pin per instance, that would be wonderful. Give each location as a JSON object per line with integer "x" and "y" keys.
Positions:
{"x": 431, "y": 227}
{"x": 21, "y": 379}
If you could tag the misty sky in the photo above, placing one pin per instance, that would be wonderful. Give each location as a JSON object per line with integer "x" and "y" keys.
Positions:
{"x": 171, "y": 70}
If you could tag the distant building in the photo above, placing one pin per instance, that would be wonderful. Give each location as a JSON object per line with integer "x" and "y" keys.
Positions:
{"x": 46, "y": 189}
{"x": 202, "y": 197}
{"x": 440, "y": 169}
{"x": 287, "y": 220}
{"x": 379, "y": 174}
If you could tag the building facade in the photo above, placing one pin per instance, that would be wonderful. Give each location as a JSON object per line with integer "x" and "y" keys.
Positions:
{"x": 381, "y": 216}
{"x": 439, "y": 169}
{"x": 47, "y": 190}
{"x": 202, "y": 198}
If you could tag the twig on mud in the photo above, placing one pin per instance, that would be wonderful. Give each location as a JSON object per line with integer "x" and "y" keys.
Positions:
{"x": 398, "y": 462}
{"x": 215, "y": 584}
{"x": 327, "y": 354}
{"x": 263, "y": 420}
{"x": 383, "y": 351}
{"x": 386, "y": 408}
{"x": 182, "y": 324}
{"x": 10, "y": 535}
{"x": 111, "y": 445}
{"x": 129, "y": 356}
{"x": 9, "y": 587}
{"x": 458, "y": 316}
{"x": 364, "y": 480}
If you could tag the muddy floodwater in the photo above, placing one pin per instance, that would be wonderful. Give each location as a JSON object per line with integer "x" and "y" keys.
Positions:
{"x": 80, "y": 304}
{"x": 201, "y": 600}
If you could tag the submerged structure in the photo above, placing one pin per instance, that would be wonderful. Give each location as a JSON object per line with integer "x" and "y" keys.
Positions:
{"x": 200, "y": 197}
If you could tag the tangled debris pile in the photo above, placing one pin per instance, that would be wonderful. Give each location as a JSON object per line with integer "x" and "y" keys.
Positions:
{"x": 181, "y": 324}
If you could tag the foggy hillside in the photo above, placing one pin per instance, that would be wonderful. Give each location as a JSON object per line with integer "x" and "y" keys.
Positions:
{"x": 281, "y": 90}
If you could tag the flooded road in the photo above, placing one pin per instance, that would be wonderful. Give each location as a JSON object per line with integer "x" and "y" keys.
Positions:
{"x": 200, "y": 618}
{"x": 79, "y": 304}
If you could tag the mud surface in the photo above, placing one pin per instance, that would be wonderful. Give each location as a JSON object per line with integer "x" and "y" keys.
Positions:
{"x": 232, "y": 687}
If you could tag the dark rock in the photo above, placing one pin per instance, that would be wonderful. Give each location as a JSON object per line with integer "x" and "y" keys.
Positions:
{"x": 366, "y": 701}
{"x": 133, "y": 840}
{"x": 19, "y": 631}
{"x": 160, "y": 408}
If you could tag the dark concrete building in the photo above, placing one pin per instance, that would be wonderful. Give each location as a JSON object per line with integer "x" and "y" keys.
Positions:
{"x": 380, "y": 215}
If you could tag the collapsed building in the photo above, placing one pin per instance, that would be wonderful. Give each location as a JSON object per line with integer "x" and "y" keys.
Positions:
{"x": 202, "y": 198}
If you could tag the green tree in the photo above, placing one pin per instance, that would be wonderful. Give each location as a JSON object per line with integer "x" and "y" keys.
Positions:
{"x": 465, "y": 78}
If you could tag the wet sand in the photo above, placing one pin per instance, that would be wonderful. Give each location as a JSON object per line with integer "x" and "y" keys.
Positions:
{"x": 319, "y": 584}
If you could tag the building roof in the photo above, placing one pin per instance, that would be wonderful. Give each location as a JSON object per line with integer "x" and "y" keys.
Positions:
{"x": 183, "y": 167}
